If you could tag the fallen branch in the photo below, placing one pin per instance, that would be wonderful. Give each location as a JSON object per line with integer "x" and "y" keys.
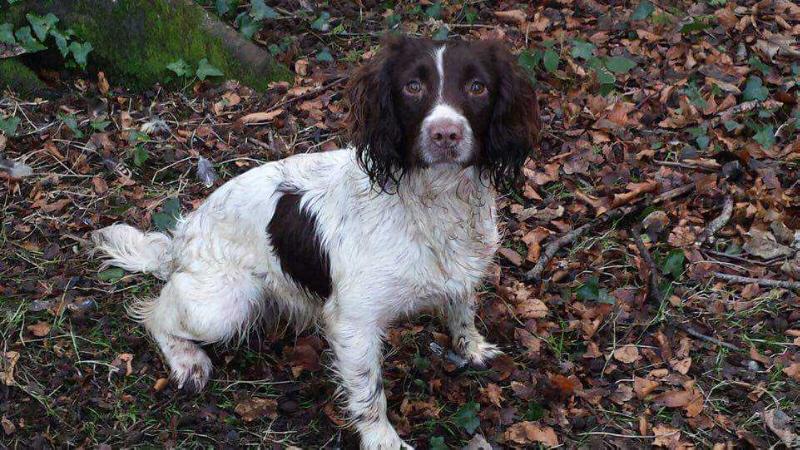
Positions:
{"x": 785, "y": 284}
{"x": 552, "y": 248}
{"x": 693, "y": 332}
{"x": 743, "y": 107}
{"x": 715, "y": 225}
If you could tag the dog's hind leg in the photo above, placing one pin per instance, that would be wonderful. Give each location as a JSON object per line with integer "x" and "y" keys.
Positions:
{"x": 197, "y": 308}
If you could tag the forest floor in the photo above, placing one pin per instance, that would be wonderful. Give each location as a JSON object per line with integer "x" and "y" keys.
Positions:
{"x": 669, "y": 131}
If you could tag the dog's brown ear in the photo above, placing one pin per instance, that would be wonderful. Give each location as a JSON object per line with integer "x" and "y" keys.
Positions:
{"x": 372, "y": 123}
{"x": 515, "y": 124}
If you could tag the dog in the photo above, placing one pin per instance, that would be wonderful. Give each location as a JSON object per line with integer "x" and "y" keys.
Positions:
{"x": 351, "y": 240}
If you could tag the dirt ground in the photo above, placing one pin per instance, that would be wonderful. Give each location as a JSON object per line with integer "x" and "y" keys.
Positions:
{"x": 670, "y": 155}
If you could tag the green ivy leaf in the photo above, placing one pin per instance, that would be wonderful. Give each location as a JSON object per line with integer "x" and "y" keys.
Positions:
{"x": 534, "y": 412}
{"x": 643, "y": 11}
{"x": 7, "y": 34}
{"x": 620, "y": 64}
{"x": 323, "y": 22}
{"x": 72, "y": 123}
{"x": 441, "y": 34}
{"x": 113, "y": 274}
{"x": 437, "y": 443}
{"x": 755, "y": 89}
{"x": 9, "y": 125}
{"x": 604, "y": 76}
{"x": 550, "y": 60}
{"x": 247, "y": 25}
{"x": 61, "y": 42}
{"x": 703, "y": 141}
{"x": 205, "y": 69}
{"x": 324, "y": 55}
{"x": 180, "y": 67}
{"x": 434, "y": 11}
{"x": 757, "y": 64}
{"x": 80, "y": 52}
{"x": 674, "y": 263}
{"x": 765, "y": 136}
{"x": 697, "y": 24}
{"x": 260, "y": 11}
{"x": 27, "y": 41}
{"x": 222, "y": 6}
{"x": 467, "y": 417}
{"x": 167, "y": 218}
{"x": 140, "y": 155}
{"x": 99, "y": 125}
{"x": 582, "y": 49}
{"x": 589, "y": 290}
{"x": 528, "y": 60}
{"x": 41, "y": 25}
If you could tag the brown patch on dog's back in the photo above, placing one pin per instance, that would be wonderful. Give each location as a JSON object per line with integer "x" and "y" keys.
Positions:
{"x": 293, "y": 234}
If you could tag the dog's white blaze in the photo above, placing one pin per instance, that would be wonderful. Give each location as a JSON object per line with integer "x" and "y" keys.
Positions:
{"x": 438, "y": 56}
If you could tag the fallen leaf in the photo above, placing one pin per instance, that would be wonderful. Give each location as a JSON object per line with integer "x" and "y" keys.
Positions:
{"x": 781, "y": 424}
{"x": 160, "y": 384}
{"x": 39, "y": 329}
{"x": 9, "y": 360}
{"x": 793, "y": 370}
{"x": 627, "y": 354}
{"x": 644, "y": 386}
{"x": 494, "y": 393}
{"x": 530, "y": 432}
{"x": 666, "y": 436}
{"x": 516, "y": 16}
{"x": 260, "y": 116}
{"x": 9, "y": 428}
{"x": 532, "y": 308}
{"x": 257, "y": 407}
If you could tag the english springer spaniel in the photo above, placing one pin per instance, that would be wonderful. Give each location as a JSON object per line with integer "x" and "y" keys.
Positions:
{"x": 352, "y": 239}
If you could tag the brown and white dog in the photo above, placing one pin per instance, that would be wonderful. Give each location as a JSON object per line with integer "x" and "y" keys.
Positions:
{"x": 352, "y": 239}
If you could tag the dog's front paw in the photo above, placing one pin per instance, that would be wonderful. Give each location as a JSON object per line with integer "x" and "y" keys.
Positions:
{"x": 382, "y": 438}
{"x": 479, "y": 352}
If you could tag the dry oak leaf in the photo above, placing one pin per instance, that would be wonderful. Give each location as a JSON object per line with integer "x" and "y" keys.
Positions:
{"x": 516, "y": 16}
{"x": 127, "y": 360}
{"x": 253, "y": 408}
{"x": 39, "y": 329}
{"x": 681, "y": 365}
{"x": 265, "y": 116}
{"x": 494, "y": 393}
{"x": 532, "y": 308}
{"x": 530, "y": 432}
{"x": 793, "y": 371}
{"x": 781, "y": 424}
{"x": 627, "y": 354}
{"x": 644, "y": 386}
{"x": 666, "y": 436}
{"x": 7, "y": 362}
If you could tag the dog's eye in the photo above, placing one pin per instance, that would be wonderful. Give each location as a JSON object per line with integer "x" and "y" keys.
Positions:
{"x": 477, "y": 88}
{"x": 413, "y": 87}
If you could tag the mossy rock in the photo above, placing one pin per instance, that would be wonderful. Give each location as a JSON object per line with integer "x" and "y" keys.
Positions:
{"x": 19, "y": 78}
{"x": 135, "y": 40}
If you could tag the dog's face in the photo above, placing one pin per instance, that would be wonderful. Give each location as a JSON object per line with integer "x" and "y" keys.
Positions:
{"x": 422, "y": 103}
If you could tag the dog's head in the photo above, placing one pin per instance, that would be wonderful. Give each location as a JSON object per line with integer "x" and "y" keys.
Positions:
{"x": 422, "y": 103}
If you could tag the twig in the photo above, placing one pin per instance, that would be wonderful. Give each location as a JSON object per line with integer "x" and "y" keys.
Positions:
{"x": 324, "y": 87}
{"x": 760, "y": 281}
{"x": 743, "y": 107}
{"x": 684, "y": 165}
{"x": 769, "y": 262}
{"x": 552, "y": 248}
{"x": 711, "y": 339}
{"x": 717, "y": 224}
{"x": 655, "y": 275}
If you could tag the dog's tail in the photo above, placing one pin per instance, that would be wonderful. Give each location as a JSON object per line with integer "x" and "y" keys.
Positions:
{"x": 135, "y": 251}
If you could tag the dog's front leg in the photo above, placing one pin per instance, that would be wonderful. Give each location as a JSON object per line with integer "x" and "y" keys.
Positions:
{"x": 357, "y": 345}
{"x": 460, "y": 314}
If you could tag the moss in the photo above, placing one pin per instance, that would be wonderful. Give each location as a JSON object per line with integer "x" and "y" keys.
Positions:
{"x": 135, "y": 40}
{"x": 19, "y": 78}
